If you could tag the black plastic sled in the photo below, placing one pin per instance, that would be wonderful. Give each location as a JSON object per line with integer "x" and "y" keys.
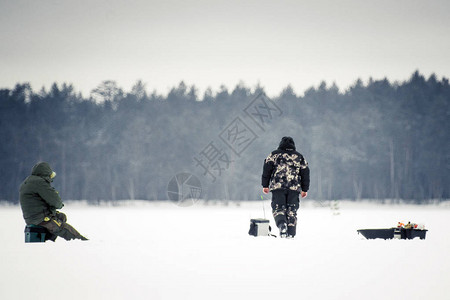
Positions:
{"x": 390, "y": 233}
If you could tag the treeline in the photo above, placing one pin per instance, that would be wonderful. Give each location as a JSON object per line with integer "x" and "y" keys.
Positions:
{"x": 379, "y": 140}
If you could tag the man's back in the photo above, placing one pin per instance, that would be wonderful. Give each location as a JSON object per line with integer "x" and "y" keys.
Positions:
{"x": 285, "y": 168}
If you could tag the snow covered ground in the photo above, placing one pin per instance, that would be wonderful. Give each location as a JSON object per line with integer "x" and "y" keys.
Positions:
{"x": 162, "y": 251}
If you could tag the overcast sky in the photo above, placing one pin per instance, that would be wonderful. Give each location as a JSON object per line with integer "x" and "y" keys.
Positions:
{"x": 209, "y": 43}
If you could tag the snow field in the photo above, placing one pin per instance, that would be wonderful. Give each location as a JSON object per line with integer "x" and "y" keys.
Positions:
{"x": 162, "y": 251}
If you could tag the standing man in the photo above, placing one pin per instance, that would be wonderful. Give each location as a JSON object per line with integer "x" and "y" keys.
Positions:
{"x": 286, "y": 175}
{"x": 39, "y": 202}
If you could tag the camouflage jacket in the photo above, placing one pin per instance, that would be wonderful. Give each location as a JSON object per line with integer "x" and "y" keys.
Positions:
{"x": 286, "y": 169}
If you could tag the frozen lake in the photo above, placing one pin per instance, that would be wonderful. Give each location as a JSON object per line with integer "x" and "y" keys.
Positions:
{"x": 163, "y": 251}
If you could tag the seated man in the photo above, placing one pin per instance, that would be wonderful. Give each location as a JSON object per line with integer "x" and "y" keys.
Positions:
{"x": 39, "y": 202}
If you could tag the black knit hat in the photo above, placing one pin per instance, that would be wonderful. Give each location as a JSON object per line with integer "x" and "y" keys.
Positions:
{"x": 287, "y": 143}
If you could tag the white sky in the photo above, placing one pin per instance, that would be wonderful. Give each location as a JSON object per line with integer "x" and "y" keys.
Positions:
{"x": 209, "y": 43}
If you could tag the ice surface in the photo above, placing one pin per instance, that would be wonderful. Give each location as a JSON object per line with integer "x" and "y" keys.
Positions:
{"x": 162, "y": 251}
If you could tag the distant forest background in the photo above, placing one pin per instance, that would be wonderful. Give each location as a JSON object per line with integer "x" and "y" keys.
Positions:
{"x": 378, "y": 140}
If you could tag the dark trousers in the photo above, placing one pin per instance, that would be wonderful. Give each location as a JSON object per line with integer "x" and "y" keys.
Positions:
{"x": 57, "y": 226}
{"x": 285, "y": 204}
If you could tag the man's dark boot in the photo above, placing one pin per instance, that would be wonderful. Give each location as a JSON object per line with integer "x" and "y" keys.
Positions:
{"x": 283, "y": 230}
{"x": 70, "y": 233}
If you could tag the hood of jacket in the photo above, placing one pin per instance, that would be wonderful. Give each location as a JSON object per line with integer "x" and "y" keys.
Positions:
{"x": 43, "y": 170}
{"x": 287, "y": 143}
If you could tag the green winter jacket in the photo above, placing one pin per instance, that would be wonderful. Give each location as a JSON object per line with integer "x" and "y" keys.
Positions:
{"x": 38, "y": 199}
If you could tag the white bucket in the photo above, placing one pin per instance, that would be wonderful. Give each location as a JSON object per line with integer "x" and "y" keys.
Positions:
{"x": 261, "y": 226}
